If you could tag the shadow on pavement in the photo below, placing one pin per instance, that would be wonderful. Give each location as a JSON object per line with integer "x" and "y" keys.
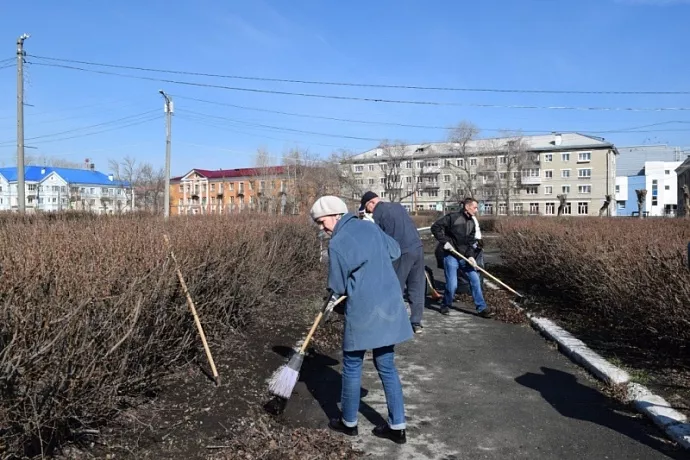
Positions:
{"x": 574, "y": 400}
{"x": 324, "y": 383}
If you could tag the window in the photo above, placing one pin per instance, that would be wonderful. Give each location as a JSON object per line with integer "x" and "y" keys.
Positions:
{"x": 432, "y": 192}
{"x": 584, "y": 157}
{"x": 503, "y": 160}
{"x": 548, "y": 173}
{"x": 567, "y": 209}
{"x": 667, "y": 172}
{"x": 565, "y": 189}
{"x": 565, "y": 157}
{"x": 534, "y": 208}
{"x": 460, "y": 162}
{"x": 503, "y": 176}
{"x": 502, "y": 209}
{"x": 446, "y": 193}
{"x": 550, "y": 209}
{"x": 446, "y": 178}
{"x": 231, "y": 186}
{"x": 532, "y": 172}
{"x": 488, "y": 209}
{"x": 408, "y": 179}
{"x": 473, "y": 162}
{"x": 490, "y": 161}
{"x": 532, "y": 190}
{"x": 565, "y": 173}
{"x": 408, "y": 165}
{"x": 180, "y": 188}
{"x": 621, "y": 204}
{"x": 372, "y": 181}
{"x": 383, "y": 180}
{"x": 371, "y": 167}
{"x": 517, "y": 208}
{"x": 548, "y": 190}
{"x": 585, "y": 173}
{"x": 584, "y": 189}
{"x": 655, "y": 192}
{"x": 618, "y": 188}
{"x": 583, "y": 208}
{"x": 359, "y": 168}
{"x": 667, "y": 187}
{"x": 548, "y": 157}
{"x": 31, "y": 187}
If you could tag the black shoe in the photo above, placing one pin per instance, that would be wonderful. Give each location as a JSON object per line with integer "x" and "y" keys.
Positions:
{"x": 417, "y": 328}
{"x": 445, "y": 310}
{"x": 337, "y": 424}
{"x": 385, "y": 431}
{"x": 486, "y": 313}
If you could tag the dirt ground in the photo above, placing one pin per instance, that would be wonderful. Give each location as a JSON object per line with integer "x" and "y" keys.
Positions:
{"x": 190, "y": 418}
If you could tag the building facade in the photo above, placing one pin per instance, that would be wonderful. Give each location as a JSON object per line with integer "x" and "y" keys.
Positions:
{"x": 683, "y": 181}
{"x": 660, "y": 180}
{"x": 203, "y": 191}
{"x": 59, "y": 189}
{"x": 517, "y": 176}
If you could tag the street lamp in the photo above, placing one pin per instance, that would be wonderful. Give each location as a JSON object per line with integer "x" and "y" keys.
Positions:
{"x": 168, "y": 109}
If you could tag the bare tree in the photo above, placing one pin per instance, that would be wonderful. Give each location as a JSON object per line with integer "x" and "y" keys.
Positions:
{"x": 605, "y": 206}
{"x": 152, "y": 188}
{"x": 562, "y": 203}
{"x": 641, "y": 197}
{"x": 266, "y": 182}
{"x": 461, "y": 140}
{"x": 44, "y": 160}
{"x": 686, "y": 201}
{"x": 127, "y": 170}
{"x": 308, "y": 177}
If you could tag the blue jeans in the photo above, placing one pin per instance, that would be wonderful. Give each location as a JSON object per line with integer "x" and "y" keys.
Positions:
{"x": 451, "y": 265}
{"x": 384, "y": 360}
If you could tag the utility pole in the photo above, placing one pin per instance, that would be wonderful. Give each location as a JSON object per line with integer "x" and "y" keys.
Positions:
{"x": 168, "y": 109}
{"x": 21, "y": 196}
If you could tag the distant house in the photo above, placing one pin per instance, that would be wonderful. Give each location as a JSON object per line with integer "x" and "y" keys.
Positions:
{"x": 683, "y": 174}
{"x": 58, "y": 189}
{"x": 659, "y": 179}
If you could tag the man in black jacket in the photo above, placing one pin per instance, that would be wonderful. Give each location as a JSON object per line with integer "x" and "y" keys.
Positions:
{"x": 395, "y": 221}
{"x": 457, "y": 231}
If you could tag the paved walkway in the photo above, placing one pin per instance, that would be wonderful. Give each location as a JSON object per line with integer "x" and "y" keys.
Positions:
{"x": 481, "y": 389}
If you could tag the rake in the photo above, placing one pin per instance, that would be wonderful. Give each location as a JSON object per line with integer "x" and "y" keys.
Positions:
{"x": 520, "y": 297}
{"x": 434, "y": 293}
{"x": 283, "y": 380}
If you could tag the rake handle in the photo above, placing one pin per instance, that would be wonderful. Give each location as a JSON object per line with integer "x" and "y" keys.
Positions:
{"x": 192, "y": 308}
{"x": 487, "y": 273}
{"x": 316, "y": 324}
{"x": 431, "y": 286}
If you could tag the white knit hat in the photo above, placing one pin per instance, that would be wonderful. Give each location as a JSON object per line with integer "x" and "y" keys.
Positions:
{"x": 327, "y": 206}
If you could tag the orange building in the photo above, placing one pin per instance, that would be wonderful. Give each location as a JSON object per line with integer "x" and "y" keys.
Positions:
{"x": 203, "y": 191}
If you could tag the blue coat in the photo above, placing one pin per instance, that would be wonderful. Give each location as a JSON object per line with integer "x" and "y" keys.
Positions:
{"x": 360, "y": 259}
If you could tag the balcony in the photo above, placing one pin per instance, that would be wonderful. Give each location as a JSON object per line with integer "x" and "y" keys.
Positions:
{"x": 531, "y": 180}
{"x": 429, "y": 170}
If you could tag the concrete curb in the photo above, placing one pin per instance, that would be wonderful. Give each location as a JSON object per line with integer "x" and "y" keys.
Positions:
{"x": 673, "y": 423}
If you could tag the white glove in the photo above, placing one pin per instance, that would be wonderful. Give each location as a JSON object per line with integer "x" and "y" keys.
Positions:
{"x": 472, "y": 262}
{"x": 448, "y": 246}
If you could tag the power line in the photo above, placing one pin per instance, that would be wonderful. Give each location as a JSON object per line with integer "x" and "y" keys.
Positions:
{"x": 357, "y": 85}
{"x": 135, "y": 123}
{"x": 404, "y": 125}
{"x": 127, "y": 118}
{"x": 367, "y": 99}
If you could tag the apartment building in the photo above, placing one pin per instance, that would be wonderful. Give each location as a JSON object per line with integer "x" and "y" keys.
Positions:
{"x": 203, "y": 191}
{"x": 659, "y": 178}
{"x": 58, "y": 189}
{"x": 519, "y": 176}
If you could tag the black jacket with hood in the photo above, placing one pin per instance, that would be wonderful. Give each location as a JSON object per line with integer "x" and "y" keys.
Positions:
{"x": 457, "y": 228}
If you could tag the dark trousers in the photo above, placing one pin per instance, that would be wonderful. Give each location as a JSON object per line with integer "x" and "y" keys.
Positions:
{"x": 410, "y": 270}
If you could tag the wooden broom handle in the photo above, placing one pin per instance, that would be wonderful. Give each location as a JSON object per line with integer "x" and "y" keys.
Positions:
{"x": 316, "y": 323}
{"x": 190, "y": 303}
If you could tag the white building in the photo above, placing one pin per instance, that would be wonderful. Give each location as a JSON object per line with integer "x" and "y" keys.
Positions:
{"x": 659, "y": 178}
{"x": 58, "y": 189}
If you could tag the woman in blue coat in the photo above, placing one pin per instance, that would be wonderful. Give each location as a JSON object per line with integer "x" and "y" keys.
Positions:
{"x": 360, "y": 259}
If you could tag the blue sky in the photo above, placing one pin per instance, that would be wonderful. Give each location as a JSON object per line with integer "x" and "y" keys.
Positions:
{"x": 630, "y": 45}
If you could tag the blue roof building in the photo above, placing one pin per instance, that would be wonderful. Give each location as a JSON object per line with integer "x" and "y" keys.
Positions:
{"x": 56, "y": 189}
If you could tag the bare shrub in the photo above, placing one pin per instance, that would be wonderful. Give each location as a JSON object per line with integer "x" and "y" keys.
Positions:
{"x": 92, "y": 314}
{"x": 628, "y": 275}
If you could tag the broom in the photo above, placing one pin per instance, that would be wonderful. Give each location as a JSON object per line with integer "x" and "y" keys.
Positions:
{"x": 434, "y": 293}
{"x": 283, "y": 380}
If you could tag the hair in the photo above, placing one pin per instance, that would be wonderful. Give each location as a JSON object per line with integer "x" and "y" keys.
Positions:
{"x": 468, "y": 200}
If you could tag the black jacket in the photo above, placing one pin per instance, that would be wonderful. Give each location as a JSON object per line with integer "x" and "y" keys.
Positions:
{"x": 395, "y": 221}
{"x": 457, "y": 228}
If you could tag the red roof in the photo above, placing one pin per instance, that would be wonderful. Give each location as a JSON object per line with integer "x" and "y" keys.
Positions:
{"x": 237, "y": 172}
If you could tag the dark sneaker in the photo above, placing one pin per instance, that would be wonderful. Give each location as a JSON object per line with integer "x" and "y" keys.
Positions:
{"x": 486, "y": 313}
{"x": 337, "y": 424}
{"x": 417, "y": 328}
{"x": 445, "y": 310}
{"x": 385, "y": 431}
